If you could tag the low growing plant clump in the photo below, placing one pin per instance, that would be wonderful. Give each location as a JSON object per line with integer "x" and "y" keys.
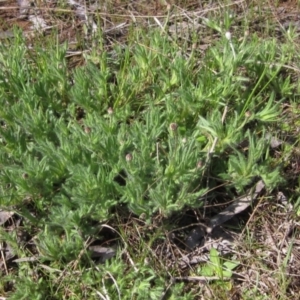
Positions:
{"x": 141, "y": 132}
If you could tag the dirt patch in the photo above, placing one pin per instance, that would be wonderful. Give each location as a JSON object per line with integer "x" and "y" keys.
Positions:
{"x": 115, "y": 18}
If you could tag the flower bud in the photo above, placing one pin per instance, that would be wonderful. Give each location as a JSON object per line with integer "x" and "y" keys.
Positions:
{"x": 248, "y": 114}
{"x": 228, "y": 35}
{"x": 110, "y": 111}
{"x": 199, "y": 164}
{"x": 25, "y": 175}
{"x": 128, "y": 157}
{"x": 87, "y": 130}
{"x": 173, "y": 126}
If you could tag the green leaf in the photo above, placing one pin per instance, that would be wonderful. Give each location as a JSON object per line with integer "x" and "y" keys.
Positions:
{"x": 230, "y": 265}
{"x": 216, "y": 262}
{"x": 207, "y": 270}
{"x": 271, "y": 112}
{"x": 226, "y": 273}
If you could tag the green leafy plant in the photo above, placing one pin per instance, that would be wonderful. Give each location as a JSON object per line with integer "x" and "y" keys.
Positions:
{"x": 139, "y": 131}
{"x": 217, "y": 266}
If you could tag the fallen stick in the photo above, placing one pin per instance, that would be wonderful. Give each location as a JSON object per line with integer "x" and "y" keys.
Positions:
{"x": 236, "y": 207}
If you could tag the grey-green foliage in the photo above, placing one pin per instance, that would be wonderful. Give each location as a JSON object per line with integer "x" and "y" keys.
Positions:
{"x": 67, "y": 160}
{"x": 55, "y": 154}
